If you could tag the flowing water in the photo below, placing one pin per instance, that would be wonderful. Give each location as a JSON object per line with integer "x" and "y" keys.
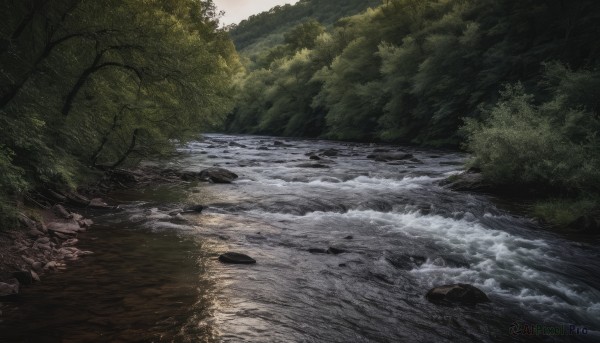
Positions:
{"x": 154, "y": 277}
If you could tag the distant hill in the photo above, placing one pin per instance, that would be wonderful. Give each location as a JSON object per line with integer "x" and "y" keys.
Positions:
{"x": 266, "y": 29}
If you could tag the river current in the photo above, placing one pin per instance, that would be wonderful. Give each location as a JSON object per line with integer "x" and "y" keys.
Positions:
{"x": 155, "y": 277}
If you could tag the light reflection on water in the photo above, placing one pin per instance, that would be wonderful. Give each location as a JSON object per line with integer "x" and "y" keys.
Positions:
{"x": 155, "y": 277}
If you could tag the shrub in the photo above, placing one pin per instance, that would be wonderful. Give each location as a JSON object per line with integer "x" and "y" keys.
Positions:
{"x": 551, "y": 145}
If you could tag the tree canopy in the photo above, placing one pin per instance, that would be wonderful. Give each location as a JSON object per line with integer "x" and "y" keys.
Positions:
{"x": 86, "y": 83}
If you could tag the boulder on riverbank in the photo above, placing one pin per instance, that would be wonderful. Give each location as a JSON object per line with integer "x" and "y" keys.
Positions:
{"x": 458, "y": 294}
{"x": 236, "y": 258}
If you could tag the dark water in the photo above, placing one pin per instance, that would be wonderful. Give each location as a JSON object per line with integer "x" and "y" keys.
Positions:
{"x": 155, "y": 278}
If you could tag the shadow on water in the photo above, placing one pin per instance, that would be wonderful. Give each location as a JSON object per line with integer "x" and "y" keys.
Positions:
{"x": 137, "y": 287}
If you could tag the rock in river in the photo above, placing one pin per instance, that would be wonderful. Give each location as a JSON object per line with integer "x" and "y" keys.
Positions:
{"x": 462, "y": 294}
{"x": 214, "y": 175}
{"x": 218, "y": 175}
{"x": 193, "y": 209}
{"x": 391, "y": 156}
{"x": 9, "y": 289}
{"x": 312, "y": 165}
{"x": 236, "y": 258}
{"x": 335, "y": 251}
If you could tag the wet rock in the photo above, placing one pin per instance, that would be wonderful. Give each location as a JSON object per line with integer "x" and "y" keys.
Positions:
{"x": 24, "y": 277}
{"x": 416, "y": 160}
{"x": 70, "y": 242}
{"x": 312, "y": 165}
{"x": 9, "y": 288}
{"x": 37, "y": 266}
{"x": 264, "y": 148}
{"x": 406, "y": 262}
{"x": 60, "y": 235}
{"x": 585, "y": 224}
{"x": 315, "y": 158}
{"x": 193, "y": 209}
{"x": 43, "y": 240}
{"x": 335, "y": 251}
{"x": 236, "y": 258}
{"x": 235, "y": 144}
{"x": 64, "y": 228}
{"x": 51, "y": 265}
{"x": 384, "y": 157}
{"x": 26, "y": 222}
{"x": 56, "y": 196}
{"x": 41, "y": 227}
{"x": 35, "y": 233}
{"x": 281, "y": 144}
{"x": 218, "y": 175}
{"x": 28, "y": 260}
{"x": 77, "y": 199}
{"x": 61, "y": 212}
{"x": 461, "y": 294}
{"x": 342, "y": 265}
{"x": 85, "y": 223}
{"x": 330, "y": 153}
{"x": 349, "y": 237}
{"x": 98, "y": 203}
{"x": 317, "y": 251}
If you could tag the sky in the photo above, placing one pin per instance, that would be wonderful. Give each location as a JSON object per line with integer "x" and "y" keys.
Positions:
{"x": 238, "y": 10}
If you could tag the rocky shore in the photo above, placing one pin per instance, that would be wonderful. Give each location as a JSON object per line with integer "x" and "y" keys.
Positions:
{"x": 45, "y": 242}
{"x": 47, "y": 236}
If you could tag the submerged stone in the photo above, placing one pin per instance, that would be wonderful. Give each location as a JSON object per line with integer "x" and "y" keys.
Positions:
{"x": 335, "y": 251}
{"x": 236, "y": 258}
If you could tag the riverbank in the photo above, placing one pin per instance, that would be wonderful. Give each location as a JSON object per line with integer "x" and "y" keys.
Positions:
{"x": 566, "y": 214}
{"x": 46, "y": 239}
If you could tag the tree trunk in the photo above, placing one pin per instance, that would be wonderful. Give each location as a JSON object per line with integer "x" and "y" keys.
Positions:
{"x": 129, "y": 150}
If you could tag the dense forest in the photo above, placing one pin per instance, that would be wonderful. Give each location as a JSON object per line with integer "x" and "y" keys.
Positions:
{"x": 90, "y": 85}
{"x": 514, "y": 82}
{"x": 96, "y": 84}
{"x": 257, "y": 35}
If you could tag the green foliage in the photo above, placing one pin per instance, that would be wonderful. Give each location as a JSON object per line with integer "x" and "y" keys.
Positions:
{"x": 410, "y": 71}
{"x": 548, "y": 145}
{"x": 281, "y": 19}
{"x": 86, "y": 83}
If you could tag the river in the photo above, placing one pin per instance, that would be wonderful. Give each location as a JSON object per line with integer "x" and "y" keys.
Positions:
{"x": 155, "y": 277}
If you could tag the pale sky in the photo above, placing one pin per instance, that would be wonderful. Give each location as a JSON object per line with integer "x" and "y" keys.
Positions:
{"x": 238, "y": 10}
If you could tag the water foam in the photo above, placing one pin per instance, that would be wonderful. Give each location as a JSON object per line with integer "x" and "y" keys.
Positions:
{"x": 517, "y": 269}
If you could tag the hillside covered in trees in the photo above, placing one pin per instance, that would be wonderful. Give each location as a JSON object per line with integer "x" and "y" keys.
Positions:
{"x": 89, "y": 84}
{"x": 514, "y": 82}
{"x": 255, "y": 36}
